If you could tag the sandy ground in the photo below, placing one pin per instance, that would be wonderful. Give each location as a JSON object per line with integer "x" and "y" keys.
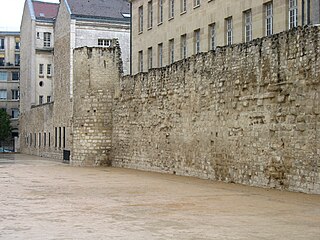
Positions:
{"x": 45, "y": 199}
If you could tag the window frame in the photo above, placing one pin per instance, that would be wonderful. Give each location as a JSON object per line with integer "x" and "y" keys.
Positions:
{"x": 247, "y": 15}
{"x": 268, "y": 11}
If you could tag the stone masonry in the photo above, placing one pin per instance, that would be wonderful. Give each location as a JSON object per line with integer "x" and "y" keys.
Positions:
{"x": 245, "y": 114}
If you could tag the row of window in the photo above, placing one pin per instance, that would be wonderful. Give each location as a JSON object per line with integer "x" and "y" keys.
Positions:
{"x": 15, "y": 76}
{"x": 41, "y": 99}
{"x": 44, "y": 139}
{"x": 14, "y": 112}
{"x": 41, "y": 70}
{"x": 15, "y": 94}
{"x": 4, "y": 63}
{"x": 247, "y": 26}
{"x": 293, "y": 14}
{"x": 2, "y": 45}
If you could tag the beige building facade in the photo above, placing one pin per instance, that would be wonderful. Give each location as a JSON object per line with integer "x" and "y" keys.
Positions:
{"x": 165, "y": 31}
{"x": 10, "y": 76}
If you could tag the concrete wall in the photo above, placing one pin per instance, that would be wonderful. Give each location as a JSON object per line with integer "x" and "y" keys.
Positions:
{"x": 246, "y": 114}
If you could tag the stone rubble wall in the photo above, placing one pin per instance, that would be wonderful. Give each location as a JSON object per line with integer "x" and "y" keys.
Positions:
{"x": 244, "y": 114}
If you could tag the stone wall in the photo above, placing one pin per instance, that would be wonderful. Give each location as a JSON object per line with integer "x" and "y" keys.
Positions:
{"x": 246, "y": 114}
{"x": 96, "y": 72}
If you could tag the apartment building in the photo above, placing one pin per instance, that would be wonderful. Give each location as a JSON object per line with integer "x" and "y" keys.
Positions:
{"x": 37, "y": 48}
{"x": 10, "y": 76}
{"x": 164, "y": 31}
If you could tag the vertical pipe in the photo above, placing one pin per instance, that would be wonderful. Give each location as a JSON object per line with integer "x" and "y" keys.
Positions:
{"x": 130, "y": 38}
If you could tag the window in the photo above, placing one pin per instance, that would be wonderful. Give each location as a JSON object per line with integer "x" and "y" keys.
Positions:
{"x": 14, "y": 94}
{"x": 15, "y": 76}
{"x": 44, "y": 139}
{"x": 140, "y": 67}
{"x": 49, "y": 140}
{"x": 196, "y": 3}
{"x": 150, "y": 14}
{"x": 59, "y": 137}
{"x": 183, "y": 6}
{"x": 64, "y": 137}
{"x": 293, "y": 14}
{"x": 1, "y": 59}
{"x": 40, "y": 99}
{"x": 48, "y": 99}
{"x": 40, "y": 69}
{"x": 49, "y": 69}
{"x": 35, "y": 139}
{"x": 39, "y": 139}
{"x": 269, "y": 18}
{"x": 47, "y": 39}
{"x": 104, "y": 42}
{"x": 171, "y": 51}
{"x": 3, "y": 76}
{"x": 149, "y": 57}
{"x": 17, "y": 44}
{"x": 212, "y": 36}
{"x": 171, "y": 9}
{"x": 160, "y": 55}
{"x": 17, "y": 59}
{"x": 160, "y": 11}
{"x": 140, "y": 18}
{"x": 38, "y": 35}
{"x": 1, "y": 43}
{"x": 247, "y": 26}
{"x": 197, "y": 41}
{"x": 14, "y": 113}
{"x": 55, "y": 137}
{"x": 229, "y": 30}
{"x": 183, "y": 46}
{"x": 3, "y": 94}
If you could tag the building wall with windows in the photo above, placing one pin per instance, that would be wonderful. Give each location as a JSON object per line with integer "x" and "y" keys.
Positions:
{"x": 201, "y": 25}
{"x": 10, "y": 76}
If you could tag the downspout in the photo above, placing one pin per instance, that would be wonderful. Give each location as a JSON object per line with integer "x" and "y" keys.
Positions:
{"x": 130, "y": 38}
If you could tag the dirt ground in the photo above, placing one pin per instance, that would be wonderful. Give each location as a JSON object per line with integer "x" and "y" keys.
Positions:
{"x": 45, "y": 199}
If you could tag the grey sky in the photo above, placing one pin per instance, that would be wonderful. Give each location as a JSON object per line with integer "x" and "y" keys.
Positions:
{"x": 11, "y": 14}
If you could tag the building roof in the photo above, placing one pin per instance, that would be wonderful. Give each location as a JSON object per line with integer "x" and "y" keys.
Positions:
{"x": 9, "y": 33}
{"x": 45, "y": 10}
{"x": 100, "y": 9}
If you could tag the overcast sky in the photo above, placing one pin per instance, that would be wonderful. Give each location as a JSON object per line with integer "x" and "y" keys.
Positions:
{"x": 11, "y": 14}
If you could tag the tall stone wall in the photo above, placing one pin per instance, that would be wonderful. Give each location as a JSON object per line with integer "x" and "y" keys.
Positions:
{"x": 96, "y": 71}
{"x": 246, "y": 114}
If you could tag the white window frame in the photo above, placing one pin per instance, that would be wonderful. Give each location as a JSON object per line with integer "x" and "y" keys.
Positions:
{"x": 196, "y": 3}
{"x": 269, "y": 18}
{"x": 15, "y": 95}
{"x": 160, "y": 55}
{"x": 41, "y": 68}
{"x": 171, "y": 9}
{"x": 46, "y": 39}
{"x": 150, "y": 58}
{"x": 293, "y": 13}
{"x": 183, "y": 6}
{"x": 171, "y": 51}
{"x": 197, "y": 41}
{"x": 49, "y": 69}
{"x": 140, "y": 24}
{"x": 4, "y": 76}
{"x": 104, "y": 42}
{"x": 247, "y": 25}
{"x": 150, "y": 14}
{"x": 160, "y": 11}
{"x": 183, "y": 46}
{"x": 229, "y": 31}
{"x": 3, "y": 94}
{"x": 140, "y": 61}
{"x": 212, "y": 36}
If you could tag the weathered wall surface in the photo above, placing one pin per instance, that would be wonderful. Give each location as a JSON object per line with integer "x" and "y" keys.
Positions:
{"x": 96, "y": 72}
{"x": 246, "y": 114}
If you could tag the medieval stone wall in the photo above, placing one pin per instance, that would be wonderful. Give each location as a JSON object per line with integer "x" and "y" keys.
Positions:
{"x": 246, "y": 114}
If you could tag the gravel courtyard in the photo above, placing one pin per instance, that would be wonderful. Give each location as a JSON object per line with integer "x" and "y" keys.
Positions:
{"x": 45, "y": 199}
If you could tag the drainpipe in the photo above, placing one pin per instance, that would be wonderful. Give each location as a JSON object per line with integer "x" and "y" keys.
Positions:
{"x": 130, "y": 38}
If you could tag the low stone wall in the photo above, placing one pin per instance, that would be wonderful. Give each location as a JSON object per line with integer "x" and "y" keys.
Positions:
{"x": 246, "y": 114}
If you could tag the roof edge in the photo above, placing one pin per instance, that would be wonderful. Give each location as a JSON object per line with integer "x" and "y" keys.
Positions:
{"x": 68, "y": 7}
{"x": 31, "y": 9}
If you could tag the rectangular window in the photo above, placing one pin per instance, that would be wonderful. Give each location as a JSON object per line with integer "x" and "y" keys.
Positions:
{"x": 293, "y": 13}
{"x": 47, "y": 39}
{"x": 1, "y": 43}
{"x": 3, "y": 94}
{"x": 140, "y": 18}
{"x": 171, "y": 51}
{"x": 17, "y": 59}
{"x": 149, "y": 57}
{"x": 44, "y": 139}
{"x": 15, "y": 76}
{"x": 104, "y": 42}
{"x": 196, "y": 3}
{"x": 212, "y": 36}
{"x": 55, "y": 137}
{"x": 39, "y": 139}
{"x": 160, "y": 11}
{"x": 160, "y": 55}
{"x": 38, "y": 35}
{"x": 40, "y": 69}
{"x": 48, "y": 99}
{"x": 196, "y": 41}
{"x": 268, "y": 18}
{"x": 183, "y": 6}
{"x": 49, "y": 140}
{"x": 30, "y": 139}
{"x": 17, "y": 44}
{"x": 247, "y": 25}
{"x": 2, "y": 63}
{"x": 150, "y": 14}
{"x": 15, "y": 94}
{"x": 64, "y": 137}
{"x": 40, "y": 99}
{"x": 59, "y": 137}
{"x": 140, "y": 62}
{"x": 35, "y": 140}
{"x": 183, "y": 40}
{"x": 171, "y": 9}
{"x": 229, "y": 36}
{"x": 14, "y": 112}
{"x": 48, "y": 69}
{"x": 3, "y": 76}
